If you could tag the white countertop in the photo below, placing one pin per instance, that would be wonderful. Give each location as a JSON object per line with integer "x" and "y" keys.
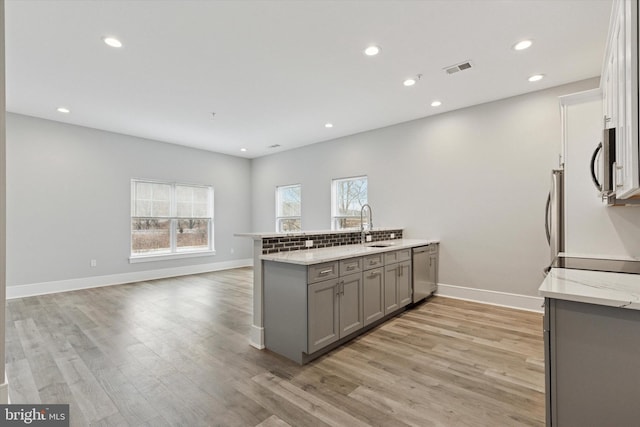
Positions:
{"x": 317, "y": 256}
{"x": 310, "y": 232}
{"x": 594, "y": 287}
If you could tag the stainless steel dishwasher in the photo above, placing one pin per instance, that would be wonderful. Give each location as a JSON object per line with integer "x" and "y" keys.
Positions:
{"x": 425, "y": 271}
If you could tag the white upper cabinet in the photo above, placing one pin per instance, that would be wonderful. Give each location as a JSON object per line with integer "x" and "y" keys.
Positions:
{"x": 619, "y": 85}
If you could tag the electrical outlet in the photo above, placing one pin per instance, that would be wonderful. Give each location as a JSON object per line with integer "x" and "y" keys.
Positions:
{"x": 393, "y": 235}
{"x": 93, "y": 263}
{"x": 369, "y": 238}
{"x": 308, "y": 243}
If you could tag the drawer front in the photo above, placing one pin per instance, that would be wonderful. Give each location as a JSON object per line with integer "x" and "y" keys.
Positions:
{"x": 397, "y": 256}
{"x": 350, "y": 266}
{"x": 320, "y": 272}
{"x": 373, "y": 261}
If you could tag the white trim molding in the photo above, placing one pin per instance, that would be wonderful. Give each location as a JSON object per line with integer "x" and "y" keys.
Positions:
{"x": 484, "y": 296}
{"x": 257, "y": 337}
{"x": 43, "y": 288}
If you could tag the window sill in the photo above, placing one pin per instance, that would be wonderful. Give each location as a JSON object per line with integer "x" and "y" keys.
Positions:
{"x": 166, "y": 257}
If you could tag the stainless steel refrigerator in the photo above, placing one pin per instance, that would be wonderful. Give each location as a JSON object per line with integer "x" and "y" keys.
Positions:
{"x": 554, "y": 216}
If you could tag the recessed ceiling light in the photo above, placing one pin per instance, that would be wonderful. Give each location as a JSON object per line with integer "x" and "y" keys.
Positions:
{"x": 522, "y": 45}
{"x": 409, "y": 82}
{"x": 436, "y": 103}
{"x": 63, "y": 110}
{"x": 243, "y": 150}
{"x": 112, "y": 41}
{"x": 328, "y": 125}
{"x": 372, "y": 50}
{"x": 536, "y": 77}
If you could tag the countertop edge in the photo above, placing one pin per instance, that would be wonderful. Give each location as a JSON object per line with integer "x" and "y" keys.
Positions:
{"x": 336, "y": 253}
{"x": 592, "y": 287}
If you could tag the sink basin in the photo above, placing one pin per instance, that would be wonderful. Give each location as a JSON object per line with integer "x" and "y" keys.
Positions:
{"x": 380, "y": 245}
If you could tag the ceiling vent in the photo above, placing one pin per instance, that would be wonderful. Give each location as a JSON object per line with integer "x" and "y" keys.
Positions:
{"x": 458, "y": 67}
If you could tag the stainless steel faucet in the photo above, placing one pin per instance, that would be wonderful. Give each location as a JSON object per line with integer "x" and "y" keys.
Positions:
{"x": 369, "y": 221}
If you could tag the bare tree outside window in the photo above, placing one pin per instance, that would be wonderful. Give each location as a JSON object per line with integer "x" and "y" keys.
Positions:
{"x": 169, "y": 218}
{"x": 349, "y": 195}
{"x": 288, "y": 208}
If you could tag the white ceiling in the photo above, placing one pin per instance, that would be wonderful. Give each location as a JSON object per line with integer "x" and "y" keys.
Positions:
{"x": 275, "y": 72}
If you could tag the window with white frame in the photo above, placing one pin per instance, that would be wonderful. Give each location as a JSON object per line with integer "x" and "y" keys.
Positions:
{"x": 169, "y": 218}
{"x": 288, "y": 208}
{"x": 348, "y": 195}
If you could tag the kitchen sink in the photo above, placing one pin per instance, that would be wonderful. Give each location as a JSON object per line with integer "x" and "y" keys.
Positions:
{"x": 380, "y": 245}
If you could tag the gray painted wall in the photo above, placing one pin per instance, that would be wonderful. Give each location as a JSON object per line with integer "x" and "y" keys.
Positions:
{"x": 68, "y": 199}
{"x": 476, "y": 178}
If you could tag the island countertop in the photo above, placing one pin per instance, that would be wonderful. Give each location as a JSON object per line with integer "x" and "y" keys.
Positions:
{"x": 264, "y": 235}
{"x": 594, "y": 287}
{"x": 317, "y": 256}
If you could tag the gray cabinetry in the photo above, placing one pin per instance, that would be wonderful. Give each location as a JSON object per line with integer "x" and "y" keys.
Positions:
{"x": 324, "y": 271}
{"x": 397, "y": 280}
{"x": 373, "y": 261}
{"x": 324, "y": 314}
{"x": 335, "y": 307}
{"x": 592, "y": 365}
{"x": 309, "y": 310}
{"x": 351, "y": 304}
{"x": 373, "y": 284}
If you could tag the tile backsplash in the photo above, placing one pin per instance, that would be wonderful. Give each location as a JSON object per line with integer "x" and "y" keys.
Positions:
{"x": 272, "y": 245}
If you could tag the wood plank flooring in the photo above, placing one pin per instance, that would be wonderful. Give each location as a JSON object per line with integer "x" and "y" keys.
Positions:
{"x": 175, "y": 352}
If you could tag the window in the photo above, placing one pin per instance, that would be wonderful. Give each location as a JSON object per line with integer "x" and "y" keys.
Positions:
{"x": 288, "y": 208}
{"x": 169, "y": 218}
{"x": 348, "y": 195}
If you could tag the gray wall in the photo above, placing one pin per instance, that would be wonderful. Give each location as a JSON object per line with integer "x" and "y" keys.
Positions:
{"x": 476, "y": 178}
{"x": 68, "y": 199}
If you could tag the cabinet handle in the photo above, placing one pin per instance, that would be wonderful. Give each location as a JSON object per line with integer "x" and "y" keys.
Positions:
{"x": 350, "y": 267}
{"x": 377, "y": 273}
{"x": 327, "y": 271}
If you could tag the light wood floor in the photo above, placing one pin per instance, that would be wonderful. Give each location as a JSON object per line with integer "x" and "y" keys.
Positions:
{"x": 175, "y": 352}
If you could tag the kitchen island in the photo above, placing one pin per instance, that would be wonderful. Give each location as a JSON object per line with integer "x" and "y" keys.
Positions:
{"x": 316, "y": 300}
{"x": 592, "y": 347}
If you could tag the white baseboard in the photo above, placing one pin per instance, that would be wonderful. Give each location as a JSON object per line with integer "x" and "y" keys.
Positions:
{"x": 43, "y": 288}
{"x": 503, "y": 299}
{"x": 256, "y": 338}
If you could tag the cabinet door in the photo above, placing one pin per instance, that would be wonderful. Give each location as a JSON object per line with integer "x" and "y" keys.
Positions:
{"x": 323, "y": 312}
{"x": 373, "y": 293}
{"x": 594, "y": 365}
{"x": 351, "y": 300}
{"x": 624, "y": 40}
{"x": 391, "y": 275}
{"x": 404, "y": 283}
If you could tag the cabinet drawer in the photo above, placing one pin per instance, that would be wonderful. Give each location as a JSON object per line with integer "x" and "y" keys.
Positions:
{"x": 350, "y": 266}
{"x": 320, "y": 272}
{"x": 397, "y": 256}
{"x": 373, "y": 261}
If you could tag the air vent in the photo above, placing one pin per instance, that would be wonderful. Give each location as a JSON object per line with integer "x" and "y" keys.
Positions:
{"x": 274, "y": 146}
{"x": 458, "y": 67}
